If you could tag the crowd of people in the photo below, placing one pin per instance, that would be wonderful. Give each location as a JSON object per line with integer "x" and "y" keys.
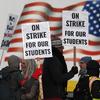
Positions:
{"x": 24, "y": 78}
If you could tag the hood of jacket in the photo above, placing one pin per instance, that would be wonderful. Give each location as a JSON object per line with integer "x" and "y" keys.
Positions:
{"x": 13, "y": 62}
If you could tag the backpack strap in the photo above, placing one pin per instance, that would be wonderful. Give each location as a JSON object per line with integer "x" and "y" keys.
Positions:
{"x": 91, "y": 80}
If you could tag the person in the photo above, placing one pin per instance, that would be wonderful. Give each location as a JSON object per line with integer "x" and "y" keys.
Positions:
{"x": 30, "y": 90}
{"x": 13, "y": 76}
{"x": 28, "y": 66}
{"x": 94, "y": 81}
{"x": 55, "y": 75}
{"x": 82, "y": 88}
{"x": 83, "y": 63}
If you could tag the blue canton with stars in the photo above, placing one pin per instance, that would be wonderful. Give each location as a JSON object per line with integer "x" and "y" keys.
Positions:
{"x": 93, "y": 8}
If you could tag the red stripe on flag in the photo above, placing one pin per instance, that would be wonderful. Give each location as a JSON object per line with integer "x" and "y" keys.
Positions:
{"x": 16, "y": 40}
{"x": 94, "y": 43}
{"x": 18, "y": 31}
{"x": 67, "y": 51}
{"x": 44, "y": 15}
{"x": 88, "y": 52}
{"x": 82, "y": 51}
{"x": 15, "y": 49}
{"x": 28, "y": 21}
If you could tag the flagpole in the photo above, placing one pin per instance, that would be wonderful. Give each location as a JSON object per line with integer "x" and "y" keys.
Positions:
{"x": 1, "y": 57}
{"x": 74, "y": 54}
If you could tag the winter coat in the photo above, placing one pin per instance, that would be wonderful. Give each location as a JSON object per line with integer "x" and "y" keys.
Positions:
{"x": 55, "y": 76}
{"x": 82, "y": 91}
{"x": 11, "y": 82}
{"x": 95, "y": 88}
{"x": 15, "y": 77}
{"x": 30, "y": 90}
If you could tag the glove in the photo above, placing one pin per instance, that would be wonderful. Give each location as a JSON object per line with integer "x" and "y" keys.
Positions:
{"x": 74, "y": 70}
{"x": 37, "y": 73}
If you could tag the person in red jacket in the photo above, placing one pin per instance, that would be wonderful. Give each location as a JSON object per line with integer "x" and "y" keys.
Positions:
{"x": 30, "y": 83}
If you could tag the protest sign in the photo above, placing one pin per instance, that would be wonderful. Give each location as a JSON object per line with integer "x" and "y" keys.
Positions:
{"x": 75, "y": 28}
{"x": 36, "y": 40}
{"x": 12, "y": 19}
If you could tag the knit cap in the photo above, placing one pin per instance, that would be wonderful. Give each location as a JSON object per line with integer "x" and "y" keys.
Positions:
{"x": 85, "y": 59}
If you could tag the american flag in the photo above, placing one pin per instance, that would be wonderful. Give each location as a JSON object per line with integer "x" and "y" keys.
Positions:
{"x": 43, "y": 11}
{"x": 94, "y": 27}
{"x": 93, "y": 50}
